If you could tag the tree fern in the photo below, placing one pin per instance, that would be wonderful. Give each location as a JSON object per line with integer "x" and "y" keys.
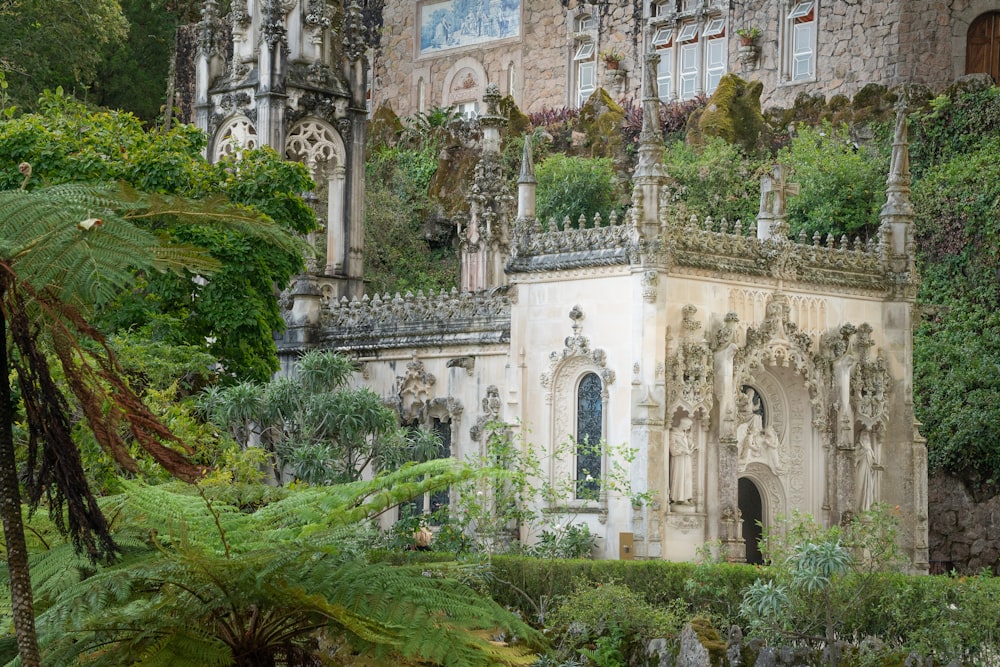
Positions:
{"x": 233, "y": 588}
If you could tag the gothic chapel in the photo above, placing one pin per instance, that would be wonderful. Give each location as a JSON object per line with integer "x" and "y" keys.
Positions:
{"x": 753, "y": 374}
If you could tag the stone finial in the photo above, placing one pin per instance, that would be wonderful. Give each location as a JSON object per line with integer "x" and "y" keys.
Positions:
{"x": 492, "y": 99}
{"x": 898, "y": 184}
{"x": 650, "y": 137}
{"x": 526, "y": 183}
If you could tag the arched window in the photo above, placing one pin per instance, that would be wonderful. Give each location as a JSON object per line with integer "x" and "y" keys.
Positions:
{"x": 589, "y": 433}
{"x": 982, "y": 49}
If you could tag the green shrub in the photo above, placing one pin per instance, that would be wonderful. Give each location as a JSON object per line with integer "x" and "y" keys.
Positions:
{"x": 842, "y": 184}
{"x": 575, "y": 186}
{"x": 716, "y": 180}
{"x": 613, "y": 619}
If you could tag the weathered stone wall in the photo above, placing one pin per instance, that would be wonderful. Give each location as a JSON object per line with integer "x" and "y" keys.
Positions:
{"x": 887, "y": 42}
{"x": 963, "y": 534}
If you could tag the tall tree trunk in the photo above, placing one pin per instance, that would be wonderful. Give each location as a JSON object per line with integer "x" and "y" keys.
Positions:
{"x": 22, "y": 601}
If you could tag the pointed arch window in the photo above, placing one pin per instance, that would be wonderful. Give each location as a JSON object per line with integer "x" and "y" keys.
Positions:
{"x": 589, "y": 435}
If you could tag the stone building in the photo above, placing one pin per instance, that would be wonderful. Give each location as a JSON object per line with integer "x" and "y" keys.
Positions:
{"x": 752, "y": 374}
{"x": 546, "y": 54}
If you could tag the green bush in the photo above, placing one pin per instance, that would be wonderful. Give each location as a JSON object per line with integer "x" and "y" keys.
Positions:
{"x": 575, "y": 186}
{"x": 609, "y": 622}
{"x": 842, "y": 183}
{"x": 716, "y": 180}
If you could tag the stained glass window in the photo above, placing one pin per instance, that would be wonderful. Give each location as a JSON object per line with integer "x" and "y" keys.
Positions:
{"x": 589, "y": 431}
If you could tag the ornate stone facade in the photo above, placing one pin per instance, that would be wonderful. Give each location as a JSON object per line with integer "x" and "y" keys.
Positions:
{"x": 766, "y": 374}
{"x": 291, "y": 74}
{"x": 825, "y": 47}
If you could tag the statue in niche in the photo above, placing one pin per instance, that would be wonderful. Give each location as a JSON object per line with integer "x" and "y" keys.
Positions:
{"x": 757, "y": 439}
{"x": 867, "y": 466}
{"x": 682, "y": 448}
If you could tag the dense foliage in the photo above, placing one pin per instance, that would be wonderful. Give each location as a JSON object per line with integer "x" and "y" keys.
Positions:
{"x": 570, "y": 188}
{"x": 66, "y": 142}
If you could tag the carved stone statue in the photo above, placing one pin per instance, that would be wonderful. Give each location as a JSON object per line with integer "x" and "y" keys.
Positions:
{"x": 757, "y": 441}
{"x": 867, "y": 468}
{"x": 682, "y": 448}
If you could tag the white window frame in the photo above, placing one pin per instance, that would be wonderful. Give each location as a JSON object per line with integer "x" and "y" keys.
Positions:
{"x": 586, "y": 23}
{"x": 688, "y": 32}
{"x": 714, "y": 27}
{"x": 586, "y": 80}
{"x": 585, "y": 51}
{"x": 715, "y": 63}
{"x": 665, "y": 74}
{"x": 687, "y": 58}
{"x": 801, "y": 47}
{"x": 469, "y": 110}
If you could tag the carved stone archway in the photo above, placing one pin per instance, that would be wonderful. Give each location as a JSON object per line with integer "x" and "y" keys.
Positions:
{"x": 236, "y": 135}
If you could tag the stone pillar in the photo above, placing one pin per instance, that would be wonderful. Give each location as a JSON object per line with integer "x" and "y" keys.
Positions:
{"x": 335, "y": 247}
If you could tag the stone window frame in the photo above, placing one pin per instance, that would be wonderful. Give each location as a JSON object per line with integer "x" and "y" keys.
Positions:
{"x": 960, "y": 22}
{"x": 444, "y": 425}
{"x": 236, "y": 134}
{"x": 802, "y": 13}
{"x": 686, "y": 54}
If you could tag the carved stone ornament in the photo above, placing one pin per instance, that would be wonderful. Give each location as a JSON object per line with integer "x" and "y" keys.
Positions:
{"x": 870, "y": 383}
{"x": 691, "y": 383}
{"x": 416, "y": 391}
{"x": 491, "y": 412}
{"x": 649, "y": 281}
{"x": 578, "y": 345}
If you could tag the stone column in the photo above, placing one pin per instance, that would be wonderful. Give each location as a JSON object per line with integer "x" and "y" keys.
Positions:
{"x": 335, "y": 247}
{"x": 728, "y": 494}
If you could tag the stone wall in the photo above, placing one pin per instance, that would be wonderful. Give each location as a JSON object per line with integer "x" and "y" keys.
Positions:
{"x": 963, "y": 534}
{"x": 887, "y": 42}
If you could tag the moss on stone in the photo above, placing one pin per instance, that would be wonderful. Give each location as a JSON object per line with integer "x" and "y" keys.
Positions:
{"x": 600, "y": 126}
{"x": 733, "y": 113}
{"x": 711, "y": 640}
{"x": 384, "y": 127}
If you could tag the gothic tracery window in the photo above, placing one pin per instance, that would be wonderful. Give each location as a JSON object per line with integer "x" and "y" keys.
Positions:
{"x": 589, "y": 434}
{"x": 235, "y": 136}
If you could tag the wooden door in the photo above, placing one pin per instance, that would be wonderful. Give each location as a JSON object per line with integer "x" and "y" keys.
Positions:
{"x": 982, "y": 53}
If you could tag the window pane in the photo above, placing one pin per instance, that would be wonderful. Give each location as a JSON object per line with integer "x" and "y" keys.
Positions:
{"x": 715, "y": 63}
{"x": 688, "y": 32}
{"x": 589, "y": 431}
{"x": 664, "y": 74}
{"x": 801, "y": 9}
{"x": 663, "y": 36}
{"x": 585, "y": 51}
{"x": 714, "y": 27}
{"x": 803, "y": 55}
{"x": 585, "y": 23}
{"x": 586, "y": 81}
{"x": 689, "y": 71}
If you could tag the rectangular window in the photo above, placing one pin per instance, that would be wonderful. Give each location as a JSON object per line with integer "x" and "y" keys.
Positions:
{"x": 664, "y": 74}
{"x": 715, "y": 63}
{"x": 688, "y": 32}
{"x": 801, "y": 10}
{"x": 469, "y": 110}
{"x": 586, "y": 77}
{"x": 689, "y": 70}
{"x": 803, "y": 50}
{"x": 714, "y": 28}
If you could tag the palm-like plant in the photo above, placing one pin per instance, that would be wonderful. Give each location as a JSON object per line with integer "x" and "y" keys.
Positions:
{"x": 64, "y": 249}
{"x": 278, "y": 586}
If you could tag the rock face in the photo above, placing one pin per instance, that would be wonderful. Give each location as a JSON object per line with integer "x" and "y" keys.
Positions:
{"x": 964, "y": 534}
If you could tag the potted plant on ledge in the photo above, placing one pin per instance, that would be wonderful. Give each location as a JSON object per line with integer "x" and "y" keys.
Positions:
{"x": 748, "y": 36}
{"x": 612, "y": 59}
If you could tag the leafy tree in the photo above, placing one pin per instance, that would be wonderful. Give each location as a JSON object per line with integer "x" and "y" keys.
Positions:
{"x": 63, "y": 249}
{"x": 575, "y": 186}
{"x": 313, "y": 424}
{"x": 217, "y": 586}
{"x": 69, "y": 143}
{"x": 51, "y": 43}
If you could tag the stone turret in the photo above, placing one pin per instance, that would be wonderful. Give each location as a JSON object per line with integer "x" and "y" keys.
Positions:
{"x": 293, "y": 76}
{"x": 527, "y": 184}
{"x": 649, "y": 173}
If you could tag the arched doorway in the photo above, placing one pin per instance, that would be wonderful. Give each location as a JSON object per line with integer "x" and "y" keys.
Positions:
{"x": 752, "y": 509}
{"x": 982, "y": 51}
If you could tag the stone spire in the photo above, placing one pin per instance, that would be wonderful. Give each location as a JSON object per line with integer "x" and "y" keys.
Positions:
{"x": 896, "y": 228}
{"x": 526, "y": 183}
{"x": 649, "y": 174}
{"x": 484, "y": 242}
